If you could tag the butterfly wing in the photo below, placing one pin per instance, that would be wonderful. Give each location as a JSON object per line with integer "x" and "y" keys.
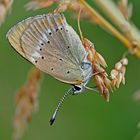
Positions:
{"x": 71, "y": 37}
{"x": 15, "y": 33}
{"x": 52, "y": 46}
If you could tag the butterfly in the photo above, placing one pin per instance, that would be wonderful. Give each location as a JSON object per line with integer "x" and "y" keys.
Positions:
{"x": 52, "y": 45}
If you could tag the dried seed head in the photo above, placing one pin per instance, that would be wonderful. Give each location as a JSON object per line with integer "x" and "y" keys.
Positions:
{"x": 114, "y": 74}
{"x": 99, "y": 83}
{"x": 89, "y": 47}
{"x": 99, "y": 74}
{"x": 101, "y": 80}
{"x": 2, "y": 12}
{"x": 38, "y": 4}
{"x": 98, "y": 69}
{"x": 114, "y": 83}
{"x": 124, "y": 61}
{"x": 62, "y": 7}
{"x": 106, "y": 94}
{"x": 118, "y": 66}
{"x": 26, "y": 103}
{"x": 123, "y": 80}
{"x": 125, "y": 8}
{"x": 5, "y": 7}
{"x": 87, "y": 43}
{"x": 108, "y": 84}
{"x": 101, "y": 60}
{"x": 123, "y": 70}
{"x": 118, "y": 74}
{"x": 119, "y": 79}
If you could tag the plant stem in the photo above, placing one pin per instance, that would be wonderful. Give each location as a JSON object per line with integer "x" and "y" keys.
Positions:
{"x": 108, "y": 26}
{"x": 125, "y": 26}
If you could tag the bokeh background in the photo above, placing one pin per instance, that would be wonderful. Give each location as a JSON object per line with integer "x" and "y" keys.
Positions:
{"x": 86, "y": 116}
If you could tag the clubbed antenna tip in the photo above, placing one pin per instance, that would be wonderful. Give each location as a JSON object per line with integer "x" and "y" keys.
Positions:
{"x": 52, "y": 121}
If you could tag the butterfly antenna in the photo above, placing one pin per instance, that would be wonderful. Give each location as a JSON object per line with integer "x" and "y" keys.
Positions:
{"x": 58, "y": 106}
{"x": 78, "y": 21}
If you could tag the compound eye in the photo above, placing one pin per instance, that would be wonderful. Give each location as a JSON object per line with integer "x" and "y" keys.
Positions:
{"x": 77, "y": 88}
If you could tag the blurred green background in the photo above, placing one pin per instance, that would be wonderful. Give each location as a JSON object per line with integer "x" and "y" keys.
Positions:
{"x": 86, "y": 116}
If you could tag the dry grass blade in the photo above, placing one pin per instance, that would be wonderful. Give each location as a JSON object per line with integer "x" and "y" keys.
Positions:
{"x": 120, "y": 19}
{"x": 26, "y": 103}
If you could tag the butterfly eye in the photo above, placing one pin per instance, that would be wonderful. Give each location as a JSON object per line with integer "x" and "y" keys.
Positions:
{"x": 77, "y": 88}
